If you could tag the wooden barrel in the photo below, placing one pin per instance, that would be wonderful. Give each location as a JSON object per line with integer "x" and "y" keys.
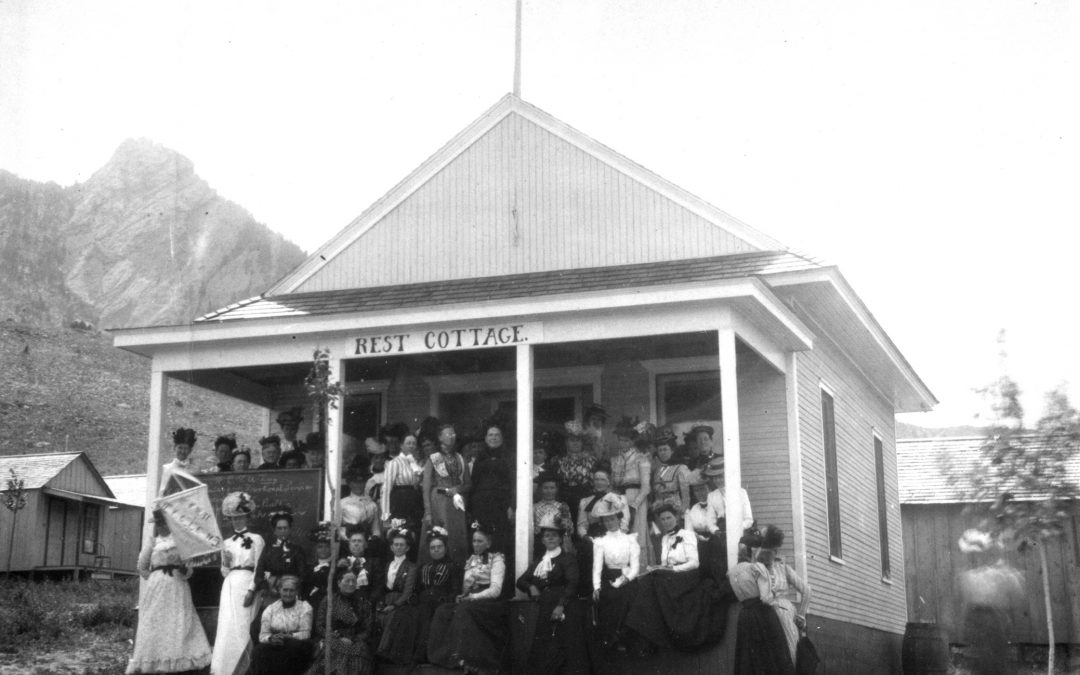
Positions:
{"x": 925, "y": 650}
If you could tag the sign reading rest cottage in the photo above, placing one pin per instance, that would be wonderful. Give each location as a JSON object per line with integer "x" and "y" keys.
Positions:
{"x": 448, "y": 339}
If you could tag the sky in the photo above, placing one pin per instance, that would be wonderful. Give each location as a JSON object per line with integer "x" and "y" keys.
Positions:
{"x": 929, "y": 148}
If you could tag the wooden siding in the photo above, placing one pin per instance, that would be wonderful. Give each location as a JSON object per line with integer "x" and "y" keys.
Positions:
{"x": 121, "y": 536}
{"x": 80, "y": 478}
{"x": 852, "y": 590}
{"x": 520, "y": 199}
{"x": 933, "y": 564}
{"x": 763, "y": 438}
{"x": 28, "y": 529}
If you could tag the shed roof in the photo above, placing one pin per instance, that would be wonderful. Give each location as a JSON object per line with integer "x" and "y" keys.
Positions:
{"x": 939, "y": 470}
{"x": 129, "y": 489}
{"x": 505, "y": 287}
{"x": 35, "y": 470}
{"x": 39, "y": 470}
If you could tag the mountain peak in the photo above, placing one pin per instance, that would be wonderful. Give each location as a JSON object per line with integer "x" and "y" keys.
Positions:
{"x": 144, "y": 156}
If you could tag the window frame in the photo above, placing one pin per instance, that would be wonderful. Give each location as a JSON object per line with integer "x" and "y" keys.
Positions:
{"x": 91, "y": 517}
{"x": 832, "y": 476}
{"x": 883, "y": 507}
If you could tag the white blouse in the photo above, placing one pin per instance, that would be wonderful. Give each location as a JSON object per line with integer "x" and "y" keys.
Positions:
{"x": 679, "y": 550}
{"x": 717, "y": 509}
{"x": 392, "y": 570}
{"x": 246, "y": 548}
{"x": 401, "y": 470}
{"x": 479, "y": 573}
{"x": 697, "y": 520}
{"x": 617, "y": 550}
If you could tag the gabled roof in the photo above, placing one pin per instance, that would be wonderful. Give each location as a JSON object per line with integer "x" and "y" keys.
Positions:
{"x": 491, "y": 161}
{"x": 129, "y": 489}
{"x": 515, "y": 286}
{"x": 38, "y": 470}
{"x": 939, "y": 470}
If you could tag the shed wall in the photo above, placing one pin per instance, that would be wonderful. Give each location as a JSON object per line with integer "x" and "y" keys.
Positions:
{"x": 851, "y": 590}
{"x": 78, "y": 477}
{"x": 934, "y": 562}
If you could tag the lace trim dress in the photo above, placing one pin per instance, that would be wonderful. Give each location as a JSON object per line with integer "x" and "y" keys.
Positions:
{"x": 169, "y": 638}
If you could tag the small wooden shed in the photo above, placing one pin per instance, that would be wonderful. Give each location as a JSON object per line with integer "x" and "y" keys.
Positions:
{"x": 935, "y": 510}
{"x": 72, "y": 525}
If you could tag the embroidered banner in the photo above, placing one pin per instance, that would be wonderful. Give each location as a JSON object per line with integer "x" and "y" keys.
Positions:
{"x": 191, "y": 520}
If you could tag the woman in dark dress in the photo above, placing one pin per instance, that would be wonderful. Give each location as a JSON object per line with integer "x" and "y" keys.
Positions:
{"x": 438, "y": 584}
{"x": 395, "y": 598}
{"x": 359, "y": 563}
{"x": 575, "y": 468}
{"x": 474, "y": 632}
{"x": 760, "y": 644}
{"x": 674, "y": 606}
{"x": 317, "y": 575}
{"x": 347, "y": 641}
{"x": 494, "y": 481}
{"x": 558, "y": 644}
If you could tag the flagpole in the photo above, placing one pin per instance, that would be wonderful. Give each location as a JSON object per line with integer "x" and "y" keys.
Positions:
{"x": 517, "y": 51}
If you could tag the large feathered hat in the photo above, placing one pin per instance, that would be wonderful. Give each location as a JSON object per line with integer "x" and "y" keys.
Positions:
{"x": 183, "y": 436}
{"x": 237, "y": 504}
{"x": 772, "y": 537}
{"x": 626, "y": 428}
{"x": 322, "y": 532}
{"x": 610, "y": 505}
{"x": 551, "y": 521}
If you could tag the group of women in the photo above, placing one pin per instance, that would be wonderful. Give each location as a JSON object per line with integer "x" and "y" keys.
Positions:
{"x": 629, "y": 557}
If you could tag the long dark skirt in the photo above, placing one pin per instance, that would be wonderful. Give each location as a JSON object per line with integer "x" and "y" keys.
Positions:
{"x": 293, "y": 656}
{"x": 677, "y": 609}
{"x": 407, "y": 503}
{"x": 760, "y": 645}
{"x": 572, "y": 495}
{"x": 429, "y": 600}
{"x": 612, "y": 607}
{"x": 444, "y": 514}
{"x": 987, "y": 638}
{"x": 474, "y": 633}
{"x": 401, "y": 636}
{"x": 558, "y": 648}
{"x": 712, "y": 554}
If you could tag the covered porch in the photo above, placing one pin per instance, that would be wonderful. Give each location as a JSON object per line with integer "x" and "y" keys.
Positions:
{"x": 720, "y": 352}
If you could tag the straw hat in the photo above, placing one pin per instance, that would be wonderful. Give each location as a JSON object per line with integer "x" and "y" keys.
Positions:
{"x": 237, "y": 504}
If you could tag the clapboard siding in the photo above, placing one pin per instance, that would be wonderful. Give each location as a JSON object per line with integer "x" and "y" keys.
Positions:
{"x": 934, "y": 563}
{"x": 79, "y": 477}
{"x": 851, "y": 590}
{"x": 521, "y": 199}
{"x": 763, "y": 440}
{"x": 29, "y": 527}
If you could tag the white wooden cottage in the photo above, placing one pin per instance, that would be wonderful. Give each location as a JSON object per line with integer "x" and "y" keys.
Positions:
{"x": 527, "y": 266}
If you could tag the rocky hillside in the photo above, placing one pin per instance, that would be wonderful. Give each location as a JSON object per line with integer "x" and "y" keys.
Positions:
{"x": 144, "y": 241}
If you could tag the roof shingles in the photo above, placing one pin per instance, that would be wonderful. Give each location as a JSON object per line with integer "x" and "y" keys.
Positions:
{"x": 535, "y": 284}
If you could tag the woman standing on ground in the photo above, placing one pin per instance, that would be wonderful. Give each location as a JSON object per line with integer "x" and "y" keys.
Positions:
{"x": 169, "y": 638}
{"x": 760, "y": 645}
{"x": 783, "y": 582}
{"x": 236, "y": 609}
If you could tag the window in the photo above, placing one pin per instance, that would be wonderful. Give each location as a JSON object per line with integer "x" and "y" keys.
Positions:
{"x": 688, "y": 397}
{"x": 883, "y": 512}
{"x": 832, "y": 487}
{"x": 91, "y": 521}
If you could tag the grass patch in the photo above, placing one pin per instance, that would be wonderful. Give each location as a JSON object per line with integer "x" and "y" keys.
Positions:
{"x": 44, "y": 620}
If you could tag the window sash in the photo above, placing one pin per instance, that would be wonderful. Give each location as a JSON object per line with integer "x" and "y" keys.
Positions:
{"x": 828, "y": 427}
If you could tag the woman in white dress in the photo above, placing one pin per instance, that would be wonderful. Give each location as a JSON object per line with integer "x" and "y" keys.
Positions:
{"x": 170, "y": 638}
{"x": 236, "y": 610}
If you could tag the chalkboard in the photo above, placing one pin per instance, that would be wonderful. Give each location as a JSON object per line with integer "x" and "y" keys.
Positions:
{"x": 299, "y": 488}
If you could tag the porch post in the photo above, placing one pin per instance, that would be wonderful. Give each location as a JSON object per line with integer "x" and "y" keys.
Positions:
{"x": 729, "y": 406}
{"x": 159, "y": 391}
{"x": 334, "y": 418}
{"x": 523, "y": 505}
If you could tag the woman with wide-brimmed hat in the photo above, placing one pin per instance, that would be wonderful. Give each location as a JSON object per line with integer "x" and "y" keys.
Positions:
{"x": 713, "y": 473}
{"x": 241, "y": 552}
{"x": 616, "y": 562}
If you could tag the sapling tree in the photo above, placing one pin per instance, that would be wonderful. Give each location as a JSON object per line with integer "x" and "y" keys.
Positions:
{"x": 1027, "y": 476}
{"x": 14, "y": 501}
